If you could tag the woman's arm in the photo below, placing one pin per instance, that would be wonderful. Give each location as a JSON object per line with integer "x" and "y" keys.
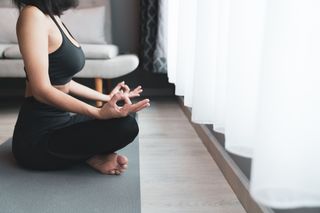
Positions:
{"x": 33, "y": 32}
{"x": 83, "y": 91}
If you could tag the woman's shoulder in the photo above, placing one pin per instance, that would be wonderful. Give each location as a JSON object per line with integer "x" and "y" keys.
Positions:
{"x": 31, "y": 13}
{"x": 31, "y": 17}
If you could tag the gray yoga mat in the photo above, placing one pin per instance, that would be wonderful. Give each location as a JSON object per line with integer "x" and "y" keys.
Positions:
{"x": 78, "y": 190}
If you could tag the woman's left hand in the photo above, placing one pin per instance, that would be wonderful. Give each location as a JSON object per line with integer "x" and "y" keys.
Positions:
{"x": 134, "y": 93}
{"x": 123, "y": 88}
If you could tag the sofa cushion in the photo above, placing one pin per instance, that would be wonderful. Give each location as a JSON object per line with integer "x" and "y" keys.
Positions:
{"x": 108, "y": 69}
{"x": 108, "y": 15}
{"x": 86, "y": 25}
{"x": 8, "y": 20}
{"x": 12, "y": 52}
{"x": 98, "y": 51}
{"x": 91, "y": 51}
{"x": 2, "y": 48}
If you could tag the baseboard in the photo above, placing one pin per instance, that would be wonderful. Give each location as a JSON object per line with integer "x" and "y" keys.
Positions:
{"x": 233, "y": 174}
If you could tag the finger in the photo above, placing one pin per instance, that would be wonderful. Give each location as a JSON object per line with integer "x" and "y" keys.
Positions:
{"x": 126, "y": 88}
{"x": 142, "y": 107}
{"x": 127, "y": 100}
{"x": 117, "y": 97}
{"x": 133, "y": 95}
{"x": 135, "y": 92}
{"x": 139, "y": 104}
{"x": 124, "y": 111}
{"x": 119, "y": 85}
{"x": 138, "y": 88}
{"x": 140, "y": 91}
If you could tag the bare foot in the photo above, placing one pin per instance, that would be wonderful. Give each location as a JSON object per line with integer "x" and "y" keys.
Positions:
{"x": 109, "y": 164}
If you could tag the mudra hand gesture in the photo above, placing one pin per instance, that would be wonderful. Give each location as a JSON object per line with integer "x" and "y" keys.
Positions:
{"x": 122, "y": 92}
{"x": 123, "y": 88}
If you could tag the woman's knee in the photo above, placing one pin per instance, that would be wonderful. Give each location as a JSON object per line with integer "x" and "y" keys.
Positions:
{"x": 130, "y": 127}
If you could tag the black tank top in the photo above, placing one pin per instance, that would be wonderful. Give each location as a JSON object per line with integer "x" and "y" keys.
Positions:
{"x": 66, "y": 61}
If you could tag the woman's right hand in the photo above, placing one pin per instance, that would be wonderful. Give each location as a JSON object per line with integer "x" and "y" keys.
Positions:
{"x": 112, "y": 110}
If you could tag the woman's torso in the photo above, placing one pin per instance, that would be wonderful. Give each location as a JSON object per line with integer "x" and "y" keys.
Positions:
{"x": 35, "y": 119}
{"x": 65, "y": 56}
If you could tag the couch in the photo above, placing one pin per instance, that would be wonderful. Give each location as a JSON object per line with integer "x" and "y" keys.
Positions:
{"x": 90, "y": 24}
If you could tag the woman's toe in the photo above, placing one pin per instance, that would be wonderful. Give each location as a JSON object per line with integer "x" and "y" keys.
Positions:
{"x": 122, "y": 159}
{"x": 122, "y": 170}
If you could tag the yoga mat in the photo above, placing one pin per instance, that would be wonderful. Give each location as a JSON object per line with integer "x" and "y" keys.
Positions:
{"x": 78, "y": 190}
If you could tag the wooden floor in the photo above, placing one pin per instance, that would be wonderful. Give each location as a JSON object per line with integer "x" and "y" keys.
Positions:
{"x": 177, "y": 172}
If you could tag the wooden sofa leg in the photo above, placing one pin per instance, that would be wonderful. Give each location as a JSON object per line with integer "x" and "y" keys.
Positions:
{"x": 99, "y": 87}
{"x": 109, "y": 85}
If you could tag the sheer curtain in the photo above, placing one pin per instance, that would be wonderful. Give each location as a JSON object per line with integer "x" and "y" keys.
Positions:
{"x": 252, "y": 69}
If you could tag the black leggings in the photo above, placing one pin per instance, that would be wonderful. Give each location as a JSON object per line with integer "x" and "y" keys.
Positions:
{"x": 72, "y": 142}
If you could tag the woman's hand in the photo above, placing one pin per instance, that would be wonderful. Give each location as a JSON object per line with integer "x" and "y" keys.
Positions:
{"x": 123, "y": 88}
{"x": 117, "y": 89}
{"x": 134, "y": 93}
{"x": 112, "y": 110}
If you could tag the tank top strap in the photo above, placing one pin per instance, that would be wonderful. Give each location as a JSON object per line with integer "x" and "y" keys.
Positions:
{"x": 68, "y": 30}
{"x": 55, "y": 21}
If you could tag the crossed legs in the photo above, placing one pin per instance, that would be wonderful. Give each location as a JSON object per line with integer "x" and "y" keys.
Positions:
{"x": 95, "y": 142}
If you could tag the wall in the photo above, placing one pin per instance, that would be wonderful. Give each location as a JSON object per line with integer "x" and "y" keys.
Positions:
{"x": 126, "y": 34}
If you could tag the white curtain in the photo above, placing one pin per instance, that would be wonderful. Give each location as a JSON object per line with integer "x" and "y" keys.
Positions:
{"x": 252, "y": 69}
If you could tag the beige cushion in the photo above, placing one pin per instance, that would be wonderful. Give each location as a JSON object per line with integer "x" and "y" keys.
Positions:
{"x": 11, "y": 68}
{"x": 86, "y": 25}
{"x": 100, "y": 51}
{"x": 8, "y": 20}
{"x": 12, "y": 52}
{"x": 111, "y": 68}
{"x": 91, "y": 51}
{"x": 2, "y": 48}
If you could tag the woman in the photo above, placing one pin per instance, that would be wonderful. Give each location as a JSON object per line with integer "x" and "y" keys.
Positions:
{"x": 46, "y": 136}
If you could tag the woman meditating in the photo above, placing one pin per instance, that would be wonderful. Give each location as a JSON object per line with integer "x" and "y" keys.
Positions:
{"x": 46, "y": 136}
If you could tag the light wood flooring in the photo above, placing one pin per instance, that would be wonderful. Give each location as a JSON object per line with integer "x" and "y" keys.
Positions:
{"x": 177, "y": 172}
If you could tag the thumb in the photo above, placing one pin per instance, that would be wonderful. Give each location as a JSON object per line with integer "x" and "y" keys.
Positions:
{"x": 117, "y": 97}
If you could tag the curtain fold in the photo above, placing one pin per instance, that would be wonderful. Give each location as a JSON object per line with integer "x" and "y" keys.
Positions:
{"x": 154, "y": 35}
{"x": 251, "y": 68}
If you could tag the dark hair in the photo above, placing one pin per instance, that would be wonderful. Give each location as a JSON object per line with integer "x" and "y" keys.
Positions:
{"x": 50, "y": 7}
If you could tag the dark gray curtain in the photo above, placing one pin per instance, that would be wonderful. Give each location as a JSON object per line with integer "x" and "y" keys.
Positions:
{"x": 153, "y": 36}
